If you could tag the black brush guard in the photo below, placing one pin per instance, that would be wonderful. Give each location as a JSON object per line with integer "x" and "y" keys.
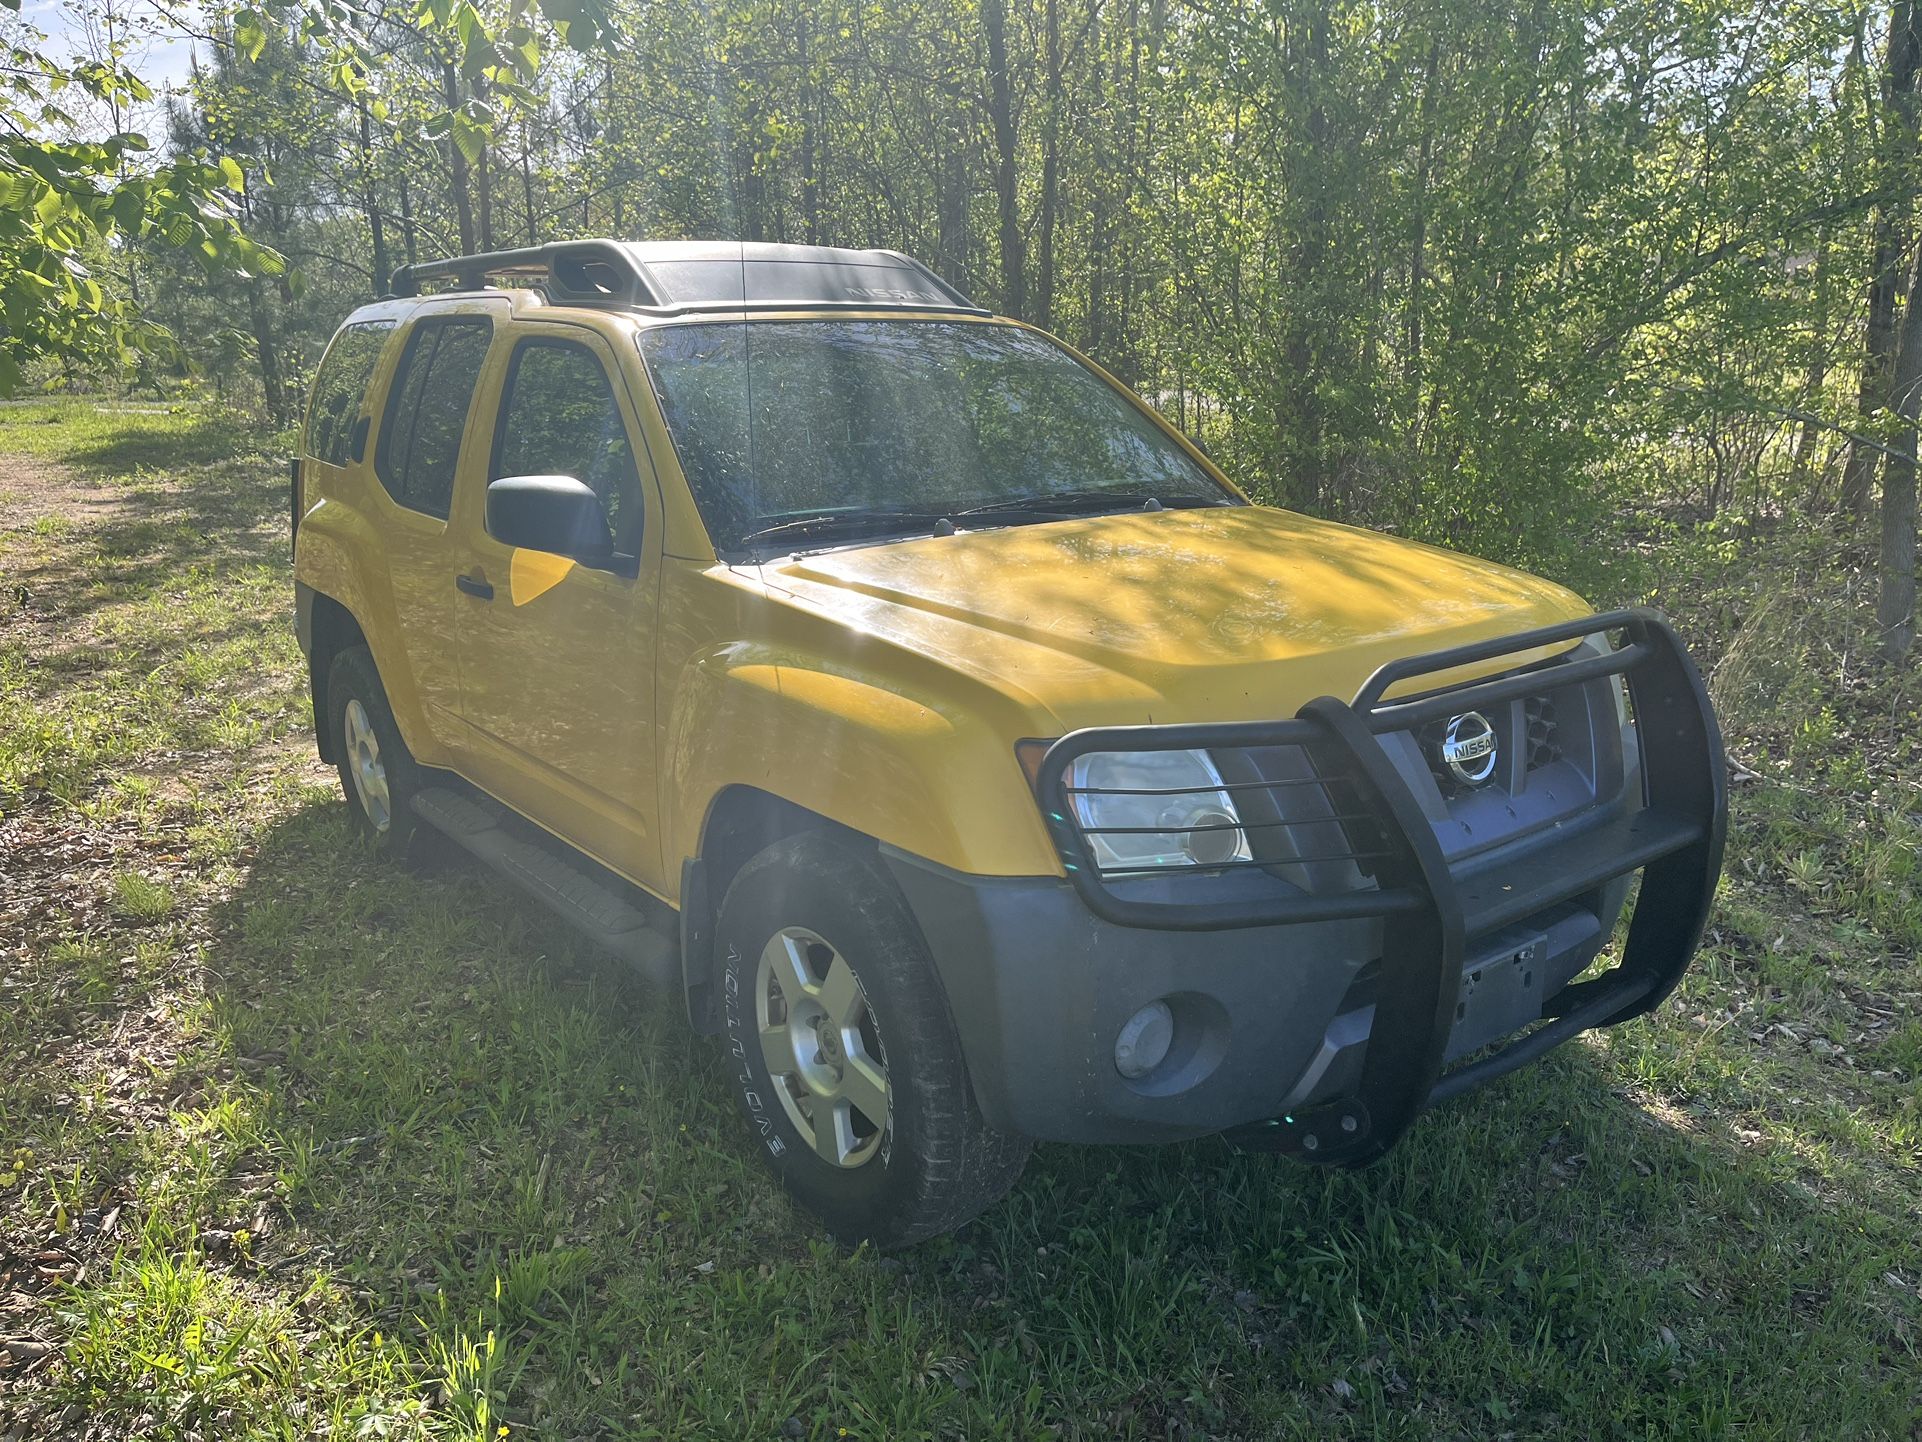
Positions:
{"x": 1430, "y": 914}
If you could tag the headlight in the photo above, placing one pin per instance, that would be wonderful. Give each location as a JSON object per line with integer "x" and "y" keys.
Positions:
{"x": 1145, "y": 809}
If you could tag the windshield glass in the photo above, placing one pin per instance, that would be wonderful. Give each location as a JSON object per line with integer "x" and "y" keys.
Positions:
{"x": 897, "y": 424}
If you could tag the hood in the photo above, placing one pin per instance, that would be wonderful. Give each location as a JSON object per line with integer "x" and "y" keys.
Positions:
{"x": 1234, "y": 613}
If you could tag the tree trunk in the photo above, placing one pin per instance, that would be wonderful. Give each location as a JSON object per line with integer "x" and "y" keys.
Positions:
{"x": 1300, "y": 422}
{"x": 1805, "y": 438}
{"x": 484, "y": 176}
{"x": 810, "y": 186}
{"x": 1142, "y": 44}
{"x": 1895, "y": 603}
{"x": 1818, "y": 368}
{"x": 266, "y": 355}
{"x": 1014, "y": 291}
{"x": 407, "y": 218}
{"x": 1418, "y": 241}
{"x": 457, "y": 162}
{"x": 527, "y": 189}
{"x": 952, "y": 260}
{"x": 370, "y": 202}
{"x": 1050, "y": 170}
{"x": 1100, "y": 181}
{"x": 1889, "y": 243}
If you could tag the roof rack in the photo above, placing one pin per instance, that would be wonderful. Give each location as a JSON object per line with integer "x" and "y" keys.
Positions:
{"x": 576, "y": 271}
{"x": 676, "y": 277}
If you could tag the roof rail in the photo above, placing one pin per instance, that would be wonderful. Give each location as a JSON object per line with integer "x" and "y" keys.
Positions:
{"x": 684, "y": 277}
{"x": 573, "y": 272}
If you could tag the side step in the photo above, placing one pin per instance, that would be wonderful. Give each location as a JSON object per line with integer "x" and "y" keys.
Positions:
{"x": 575, "y": 888}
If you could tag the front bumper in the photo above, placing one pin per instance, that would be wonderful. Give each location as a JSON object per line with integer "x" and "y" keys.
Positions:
{"x": 1320, "y": 1021}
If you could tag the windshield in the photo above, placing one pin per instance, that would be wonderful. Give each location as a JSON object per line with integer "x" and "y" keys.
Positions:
{"x": 892, "y": 427}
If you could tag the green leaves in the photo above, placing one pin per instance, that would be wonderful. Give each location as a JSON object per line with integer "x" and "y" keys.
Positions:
{"x": 466, "y": 129}
{"x": 250, "y": 33}
{"x": 584, "y": 24}
{"x": 65, "y": 203}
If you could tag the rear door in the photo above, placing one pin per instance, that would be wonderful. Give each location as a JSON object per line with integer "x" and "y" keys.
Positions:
{"x": 557, "y": 659}
{"x": 421, "y": 446}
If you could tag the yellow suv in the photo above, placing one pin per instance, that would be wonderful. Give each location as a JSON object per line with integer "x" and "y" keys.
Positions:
{"x": 891, "y": 684}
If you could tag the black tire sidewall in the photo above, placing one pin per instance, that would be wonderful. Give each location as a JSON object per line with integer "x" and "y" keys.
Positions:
{"x": 352, "y": 677}
{"x": 832, "y": 890}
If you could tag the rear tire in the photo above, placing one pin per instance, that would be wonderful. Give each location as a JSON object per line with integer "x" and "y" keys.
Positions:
{"x": 833, "y": 1012}
{"x": 377, "y": 772}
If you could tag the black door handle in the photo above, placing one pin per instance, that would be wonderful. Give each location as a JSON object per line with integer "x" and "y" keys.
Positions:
{"x": 476, "y": 587}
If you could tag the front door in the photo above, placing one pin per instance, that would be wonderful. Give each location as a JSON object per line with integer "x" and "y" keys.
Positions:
{"x": 557, "y": 659}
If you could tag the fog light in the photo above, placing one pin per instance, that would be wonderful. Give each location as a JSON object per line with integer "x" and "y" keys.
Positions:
{"x": 1143, "y": 1041}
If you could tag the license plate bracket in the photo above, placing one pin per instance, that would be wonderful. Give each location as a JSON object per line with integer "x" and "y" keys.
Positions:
{"x": 1501, "y": 992}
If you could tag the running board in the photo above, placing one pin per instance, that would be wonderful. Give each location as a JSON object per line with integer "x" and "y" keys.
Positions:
{"x": 571, "y": 888}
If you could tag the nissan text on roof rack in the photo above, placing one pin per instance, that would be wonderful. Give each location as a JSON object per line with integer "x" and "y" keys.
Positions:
{"x": 944, "y": 731}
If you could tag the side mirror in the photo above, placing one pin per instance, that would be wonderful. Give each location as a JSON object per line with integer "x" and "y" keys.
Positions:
{"x": 557, "y": 514}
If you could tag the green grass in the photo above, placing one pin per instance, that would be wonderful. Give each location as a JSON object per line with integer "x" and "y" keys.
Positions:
{"x": 295, "y": 1145}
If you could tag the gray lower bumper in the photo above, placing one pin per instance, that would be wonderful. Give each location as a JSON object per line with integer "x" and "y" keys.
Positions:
{"x": 1266, "y": 1018}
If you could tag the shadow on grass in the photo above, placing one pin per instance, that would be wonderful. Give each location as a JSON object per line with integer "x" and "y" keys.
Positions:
{"x": 167, "y": 442}
{"x": 480, "y": 1125}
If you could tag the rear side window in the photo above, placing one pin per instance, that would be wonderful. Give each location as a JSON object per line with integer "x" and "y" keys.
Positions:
{"x": 340, "y": 387}
{"x": 559, "y": 418}
{"x": 427, "y": 411}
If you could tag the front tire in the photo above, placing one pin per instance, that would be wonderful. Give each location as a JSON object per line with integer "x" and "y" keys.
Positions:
{"x": 377, "y": 772}
{"x": 842, "y": 1053}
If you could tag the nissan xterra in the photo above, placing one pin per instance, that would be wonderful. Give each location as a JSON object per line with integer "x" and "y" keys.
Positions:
{"x": 894, "y": 686}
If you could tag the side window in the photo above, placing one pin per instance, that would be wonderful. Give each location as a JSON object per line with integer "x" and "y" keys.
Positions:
{"x": 559, "y": 418}
{"x": 340, "y": 387}
{"x": 427, "y": 411}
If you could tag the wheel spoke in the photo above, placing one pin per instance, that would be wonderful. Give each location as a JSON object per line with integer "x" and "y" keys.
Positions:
{"x": 833, "y": 1130}
{"x": 788, "y": 957}
{"x": 841, "y": 994}
{"x": 777, "y": 1050}
{"x": 866, "y": 1086}
{"x": 370, "y": 783}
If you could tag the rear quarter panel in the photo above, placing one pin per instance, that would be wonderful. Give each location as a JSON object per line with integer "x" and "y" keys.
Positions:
{"x": 339, "y": 553}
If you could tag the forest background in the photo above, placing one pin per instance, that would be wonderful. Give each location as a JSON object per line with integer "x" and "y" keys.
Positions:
{"x": 1531, "y": 279}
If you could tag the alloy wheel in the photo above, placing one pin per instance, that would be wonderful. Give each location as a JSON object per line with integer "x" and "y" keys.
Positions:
{"x": 821, "y": 1048}
{"x": 366, "y": 767}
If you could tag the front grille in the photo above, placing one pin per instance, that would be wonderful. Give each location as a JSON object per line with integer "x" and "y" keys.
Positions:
{"x": 1540, "y": 739}
{"x": 1429, "y": 738}
{"x": 1544, "y": 739}
{"x": 1322, "y": 799}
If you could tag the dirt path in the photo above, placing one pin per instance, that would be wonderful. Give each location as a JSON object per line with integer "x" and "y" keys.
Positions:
{"x": 35, "y": 486}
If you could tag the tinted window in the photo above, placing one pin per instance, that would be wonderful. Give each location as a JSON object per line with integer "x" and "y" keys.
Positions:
{"x": 776, "y": 419}
{"x": 420, "y": 434}
{"x": 559, "y": 418}
{"x": 339, "y": 388}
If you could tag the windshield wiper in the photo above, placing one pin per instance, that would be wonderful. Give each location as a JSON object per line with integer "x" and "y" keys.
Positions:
{"x": 829, "y": 523}
{"x": 1072, "y": 503}
{"x": 842, "y": 524}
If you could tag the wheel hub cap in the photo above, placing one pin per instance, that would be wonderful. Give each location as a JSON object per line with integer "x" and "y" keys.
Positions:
{"x": 365, "y": 766}
{"x": 820, "y": 1046}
